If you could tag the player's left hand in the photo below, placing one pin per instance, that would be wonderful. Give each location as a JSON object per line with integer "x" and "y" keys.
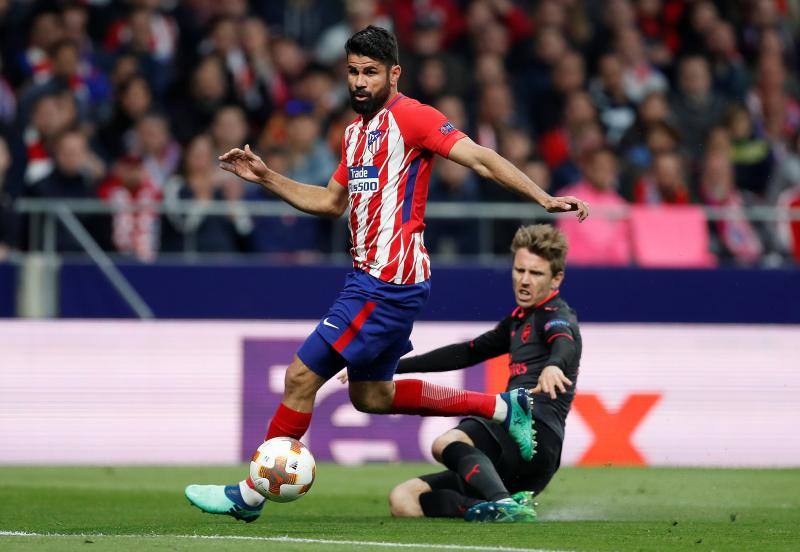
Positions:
{"x": 342, "y": 376}
{"x": 550, "y": 380}
{"x": 565, "y": 204}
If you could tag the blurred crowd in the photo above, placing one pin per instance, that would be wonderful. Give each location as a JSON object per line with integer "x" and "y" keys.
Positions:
{"x": 651, "y": 102}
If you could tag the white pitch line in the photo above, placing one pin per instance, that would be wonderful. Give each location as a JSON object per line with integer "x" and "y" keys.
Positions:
{"x": 292, "y": 539}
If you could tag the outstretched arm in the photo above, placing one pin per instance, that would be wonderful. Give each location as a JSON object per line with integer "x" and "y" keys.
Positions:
{"x": 488, "y": 345}
{"x": 490, "y": 164}
{"x": 330, "y": 201}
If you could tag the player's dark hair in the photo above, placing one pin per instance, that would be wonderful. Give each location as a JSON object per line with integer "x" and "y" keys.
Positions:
{"x": 544, "y": 240}
{"x": 376, "y": 43}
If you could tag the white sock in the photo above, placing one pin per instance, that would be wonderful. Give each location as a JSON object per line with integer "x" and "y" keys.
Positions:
{"x": 250, "y": 496}
{"x": 500, "y": 410}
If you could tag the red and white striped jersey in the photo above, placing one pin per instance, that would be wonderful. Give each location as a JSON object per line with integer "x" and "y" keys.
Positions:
{"x": 386, "y": 165}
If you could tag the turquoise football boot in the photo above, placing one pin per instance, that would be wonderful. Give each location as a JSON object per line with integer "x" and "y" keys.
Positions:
{"x": 222, "y": 499}
{"x": 505, "y": 511}
{"x": 519, "y": 421}
{"x": 524, "y": 498}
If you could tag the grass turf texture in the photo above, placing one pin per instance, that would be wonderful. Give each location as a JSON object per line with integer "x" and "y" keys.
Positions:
{"x": 583, "y": 509}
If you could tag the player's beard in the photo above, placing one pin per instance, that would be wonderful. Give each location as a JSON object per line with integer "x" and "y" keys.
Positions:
{"x": 373, "y": 103}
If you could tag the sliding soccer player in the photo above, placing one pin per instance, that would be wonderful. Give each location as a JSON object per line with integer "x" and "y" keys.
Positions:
{"x": 486, "y": 478}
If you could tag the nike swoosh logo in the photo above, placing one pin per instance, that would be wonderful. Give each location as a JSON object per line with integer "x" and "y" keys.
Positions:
{"x": 326, "y": 323}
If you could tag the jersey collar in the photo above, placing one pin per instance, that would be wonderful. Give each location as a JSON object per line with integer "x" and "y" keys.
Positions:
{"x": 387, "y": 106}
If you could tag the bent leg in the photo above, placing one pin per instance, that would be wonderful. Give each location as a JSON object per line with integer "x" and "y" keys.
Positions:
{"x": 419, "y": 397}
{"x": 404, "y": 498}
{"x": 422, "y": 497}
{"x": 457, "y": 450}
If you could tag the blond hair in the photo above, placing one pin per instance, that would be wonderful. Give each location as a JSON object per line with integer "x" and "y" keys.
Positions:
{"x": 543, "y": 240}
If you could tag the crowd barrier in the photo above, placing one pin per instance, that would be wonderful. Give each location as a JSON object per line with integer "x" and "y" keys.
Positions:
{"x": 130, "y": 392}
{"x": 258, "y": 290}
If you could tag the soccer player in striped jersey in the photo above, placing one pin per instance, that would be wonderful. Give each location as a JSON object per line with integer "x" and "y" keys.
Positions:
{"x": 387, "y": 155}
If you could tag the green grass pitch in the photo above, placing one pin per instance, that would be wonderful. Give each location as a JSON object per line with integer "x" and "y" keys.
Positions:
{"x": 583, "y": 509}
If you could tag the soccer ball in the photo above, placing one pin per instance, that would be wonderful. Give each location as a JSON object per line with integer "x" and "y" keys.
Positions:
{"x": 282, "y": 469}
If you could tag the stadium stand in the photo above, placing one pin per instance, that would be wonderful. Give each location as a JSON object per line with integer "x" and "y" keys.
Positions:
{"x": 696, "y": 100}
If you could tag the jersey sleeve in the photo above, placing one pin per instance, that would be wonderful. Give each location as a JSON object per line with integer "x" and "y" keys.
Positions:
{"x": 558, "y": 332}
{"x": 340, "y": 174}
{"x": 425, "y": 127}
{"x": 493, "y": 343}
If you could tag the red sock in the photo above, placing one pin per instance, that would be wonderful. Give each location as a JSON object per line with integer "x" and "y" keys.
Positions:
{"x": 423, "y": 398}
{"x": 288, "y": 423}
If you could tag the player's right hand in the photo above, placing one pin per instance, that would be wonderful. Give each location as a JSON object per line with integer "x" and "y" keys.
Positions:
{"x": 552, "y": 379}
{"x": 244, "y": 164}
{"x": 342, "y": 376}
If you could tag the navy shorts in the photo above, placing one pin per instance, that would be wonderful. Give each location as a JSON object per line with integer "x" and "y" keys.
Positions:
{"x": 366, "y": 329}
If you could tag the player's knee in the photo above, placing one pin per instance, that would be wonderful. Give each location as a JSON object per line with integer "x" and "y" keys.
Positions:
{"x": 404, "y": 499}
{"x": 443, "y": 440}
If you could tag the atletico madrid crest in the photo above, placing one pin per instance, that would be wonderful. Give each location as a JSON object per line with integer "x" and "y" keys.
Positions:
{"x": 374, "y": 141}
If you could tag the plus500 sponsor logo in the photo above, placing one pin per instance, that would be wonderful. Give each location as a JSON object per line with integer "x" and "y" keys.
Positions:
{"x": 363, "y": 179}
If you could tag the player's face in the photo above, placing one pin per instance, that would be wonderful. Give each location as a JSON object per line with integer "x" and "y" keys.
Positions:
{"x": 532, "y": 278}
{"x": 370, "y": 83}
